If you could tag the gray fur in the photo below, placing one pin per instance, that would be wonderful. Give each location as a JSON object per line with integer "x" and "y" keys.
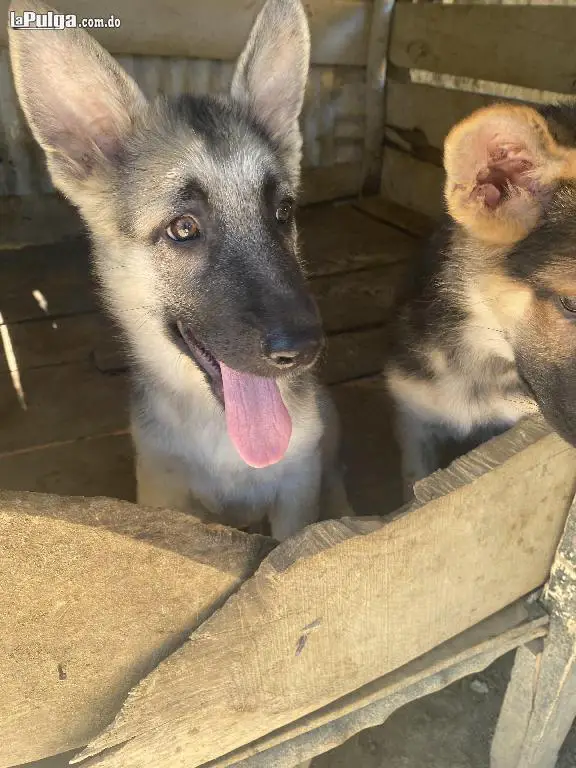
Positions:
{"x": 130, "y": 167}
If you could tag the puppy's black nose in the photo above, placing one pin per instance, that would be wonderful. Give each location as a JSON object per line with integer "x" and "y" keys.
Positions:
{"x": 288, "y": 351}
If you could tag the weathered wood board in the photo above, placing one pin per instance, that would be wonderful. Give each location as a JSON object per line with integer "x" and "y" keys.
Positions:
{"x": 332, "y": 609}
{"x": 531, "y": 47}
{"x": 57, "y": 276}
{"x": 540, "y": 704}
{"x": 94, "y": 593}
{"x": 338, "y": 238}
{"x": 64, "y": 402}
{"x": 101, "y": 465}
{"x": 216, "y": 30}
{"x": 466, "y": 654}
{"x": 413, "y": 183}
{"x": 36, "y": 219}
{"x": 422, "y": 115}
{"x": 415, "y": 224}
{"x": 347, "y": 302}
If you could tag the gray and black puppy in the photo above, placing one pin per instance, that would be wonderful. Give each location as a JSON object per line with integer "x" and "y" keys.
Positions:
{"x": 190, "y": 206}
{"x": 487, "y": 332}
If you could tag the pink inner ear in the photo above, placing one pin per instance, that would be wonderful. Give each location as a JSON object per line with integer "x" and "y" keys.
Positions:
{"x": 508, "y": 170}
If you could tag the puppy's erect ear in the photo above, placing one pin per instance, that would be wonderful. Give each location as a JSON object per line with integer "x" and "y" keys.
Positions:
{"x": 78, "y": 101}
{"x": 272, "y": 71}
{"x": 502, "y": 165}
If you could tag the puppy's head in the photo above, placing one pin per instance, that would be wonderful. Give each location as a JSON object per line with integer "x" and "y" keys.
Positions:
{"x": 190, "y": 203}
{"x": 511, "y": 185}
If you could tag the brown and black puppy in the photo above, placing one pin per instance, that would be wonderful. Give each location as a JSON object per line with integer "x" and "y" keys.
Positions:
{"x": 487, "y": 333}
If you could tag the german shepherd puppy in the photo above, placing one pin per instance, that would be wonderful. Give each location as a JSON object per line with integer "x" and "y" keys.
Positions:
{"x": 487, "y": 333}
{"x": 190, "y": 206}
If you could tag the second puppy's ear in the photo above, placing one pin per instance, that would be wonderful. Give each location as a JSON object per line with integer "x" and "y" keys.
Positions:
{"x": 502, "y": 165}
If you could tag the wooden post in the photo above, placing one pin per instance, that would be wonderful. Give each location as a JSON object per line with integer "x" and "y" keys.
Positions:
{"x": 540, "y": 703}
{"x": 375, "y": 82}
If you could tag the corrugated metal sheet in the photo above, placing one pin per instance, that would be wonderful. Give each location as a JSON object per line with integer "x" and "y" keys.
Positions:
{"x": 333, "y": 121}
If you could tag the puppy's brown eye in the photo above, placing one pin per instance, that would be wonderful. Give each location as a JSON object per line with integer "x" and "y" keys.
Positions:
{"x": 183, "y": 228}
{"x": 568, "y": 304}
{"x": 284, "y": 212}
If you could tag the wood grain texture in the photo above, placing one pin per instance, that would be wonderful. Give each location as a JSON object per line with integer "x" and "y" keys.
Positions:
{"x": 337, "y": 238}
{"x": 516, "y": 710}
{"x": 421, "y": 115}
{"x": 496, "y": 42}
{"x": 97, "y": 466}
{"x": 536, "y": 725}
{"x": 377, "y": 59}
{"x": 416, "y": 224}
{"x": 35, "y": 219}
{"x": 95, "y": 592}
{"x": 468, "y": 653}
{"x": 64, "y": 402}
{"x": 331, "y": 610}
{"x": 216, "y": 30}
{"x": 412, "y": 183}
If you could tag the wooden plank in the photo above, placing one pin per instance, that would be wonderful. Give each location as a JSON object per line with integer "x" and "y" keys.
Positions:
{"x": 354, "y": 354}
{"x": 99, "y": 466}
{"x": 348, "y": 302}
{"x": 517, "y": 707}
{"x": 330, "y": 182}
{"x": 64, "y": 402}
{"x": 103, "y": 465}
{"x": 46, "y": 281}
{"x": 217, "y": 30}
{"x": 468, "y": 653}
{"x": 337, "y": 238}
{"x": 94, "y": 593}
{"x": 369, "y": 453}
{"x": 384, "y": 210}
{"x": 350, "y": 355}
{"x": 70, "y": 339}
{"x": 537, "y": 725}
{"x": 412, "y": 183}
{"x": 488, "y": 42}
{"x": 321, "y": 603}
{"x": 375, "y": 81}
{"x": 36, "y": 219}
{"x": 421, "y": 116}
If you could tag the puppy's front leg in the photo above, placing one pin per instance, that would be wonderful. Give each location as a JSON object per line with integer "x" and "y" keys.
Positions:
{"x": 159, "y": 484}
{"x": 334, "y": 502}
{"x": 420, "y": 449}
{"x": 298, "y": 500}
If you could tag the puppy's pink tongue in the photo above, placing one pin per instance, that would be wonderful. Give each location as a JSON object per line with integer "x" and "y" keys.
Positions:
{"x": 258, "y": 423}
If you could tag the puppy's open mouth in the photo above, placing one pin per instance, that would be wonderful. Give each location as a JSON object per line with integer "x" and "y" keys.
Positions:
{"x": 204, "y": 359}
{"x": 257, "y": 420}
